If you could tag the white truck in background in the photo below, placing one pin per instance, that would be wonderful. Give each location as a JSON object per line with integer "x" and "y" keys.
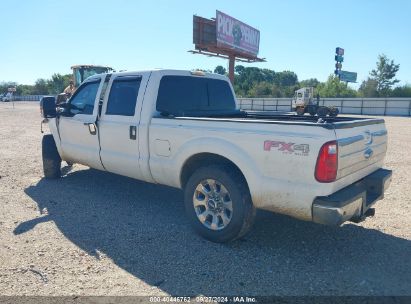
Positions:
{"x": 185, "y": 130}
{"x": 7, "y": 97}
{"x": 304, "y": 102}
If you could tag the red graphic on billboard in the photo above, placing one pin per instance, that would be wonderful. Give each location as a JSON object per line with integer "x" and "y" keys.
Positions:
{"x": 237, "y": 35}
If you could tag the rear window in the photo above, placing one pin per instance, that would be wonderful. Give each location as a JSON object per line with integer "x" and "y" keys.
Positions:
{"x": 179, "y": 95}
{"x": 123, "y": 96}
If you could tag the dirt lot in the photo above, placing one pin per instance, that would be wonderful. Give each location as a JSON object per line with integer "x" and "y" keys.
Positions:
{"x": 95, "y": 233}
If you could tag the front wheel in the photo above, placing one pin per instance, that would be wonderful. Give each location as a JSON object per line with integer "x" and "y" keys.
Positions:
{"x": 51, "y": 158}
{"x": 218, "y": 203}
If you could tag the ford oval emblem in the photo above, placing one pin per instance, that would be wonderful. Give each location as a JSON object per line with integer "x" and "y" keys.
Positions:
{"x": 367, "y": 137}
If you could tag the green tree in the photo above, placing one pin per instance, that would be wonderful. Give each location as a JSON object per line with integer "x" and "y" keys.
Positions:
{"x": 239, "y": 69}
{"x": 384, "y": 74}
{"x": 219, "y": 69}
{"x": 368, "y": 88}
{"x": 265, "y": 89}
{"x": 403, "y": 91}
{"x": 286, "y": 78}
{"x": 5, "y": 85}
{"x": 312, "y": 82}
{"x": 58, "y": 83}
{"x": 333, "y": 87}
{"x": 41, "y": 87}
{"x": 24, "y": 89}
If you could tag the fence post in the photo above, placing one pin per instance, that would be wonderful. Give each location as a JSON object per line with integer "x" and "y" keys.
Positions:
{"x": 385, "y": 106}
{"x": 409, "y": 109}
{"x": 252, "y": 104}
{"x": 342, "y": 105}
{"x": 362, "y": 104}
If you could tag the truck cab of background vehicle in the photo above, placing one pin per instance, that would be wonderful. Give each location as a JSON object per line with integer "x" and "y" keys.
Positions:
{"x": 185, "y": 130}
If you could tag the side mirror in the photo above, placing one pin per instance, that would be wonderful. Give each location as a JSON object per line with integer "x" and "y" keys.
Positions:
{"x": 48, "y": 107}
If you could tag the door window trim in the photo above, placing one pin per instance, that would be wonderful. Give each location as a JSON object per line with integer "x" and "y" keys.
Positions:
{"x": 121, "y": 78}
{"x": 85, "y": 83}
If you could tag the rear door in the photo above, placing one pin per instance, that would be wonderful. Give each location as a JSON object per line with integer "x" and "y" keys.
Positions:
{"x": 119, "y": 124}
{"x": 78, "y": 131}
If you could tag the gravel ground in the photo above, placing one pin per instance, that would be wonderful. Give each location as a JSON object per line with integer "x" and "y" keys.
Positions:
{"x": 95, "y": 233}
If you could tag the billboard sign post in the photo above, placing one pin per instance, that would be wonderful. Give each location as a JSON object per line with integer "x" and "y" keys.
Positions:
{"x": 342, "y": 75}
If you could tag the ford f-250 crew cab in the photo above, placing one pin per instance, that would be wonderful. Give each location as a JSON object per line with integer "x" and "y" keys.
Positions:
{"x": 185, "y": 130}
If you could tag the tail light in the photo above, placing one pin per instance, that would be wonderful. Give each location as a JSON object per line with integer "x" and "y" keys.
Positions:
{"x": 327, "y": 163}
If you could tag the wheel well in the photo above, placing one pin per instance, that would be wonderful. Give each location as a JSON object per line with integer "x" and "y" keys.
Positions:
{"x": 205, "y": 159}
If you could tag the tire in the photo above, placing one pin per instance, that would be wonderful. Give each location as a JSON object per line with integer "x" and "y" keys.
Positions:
{"x": 227, "y": 182}
{"x": 51, "y": 158}
{"x": 311, "y": 109}
{"x": 300, "y": 111}
{"x": 334, "y": 112}
{"x": 322, "y": 111}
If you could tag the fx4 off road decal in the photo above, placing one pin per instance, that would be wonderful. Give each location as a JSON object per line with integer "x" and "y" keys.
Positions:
{"x": 287, "y": 148}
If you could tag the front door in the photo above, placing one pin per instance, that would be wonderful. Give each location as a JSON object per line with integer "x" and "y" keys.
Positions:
{"x": 78, "y": 130}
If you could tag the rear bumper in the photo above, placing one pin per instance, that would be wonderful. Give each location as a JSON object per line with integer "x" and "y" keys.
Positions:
{"x": 352, "y": 202}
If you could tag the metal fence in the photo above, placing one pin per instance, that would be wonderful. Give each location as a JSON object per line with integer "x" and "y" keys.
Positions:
{"x": 362, "y": 106}
{"x": 27, "y": 97}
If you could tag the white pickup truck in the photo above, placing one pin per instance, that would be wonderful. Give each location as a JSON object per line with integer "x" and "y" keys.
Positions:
{"x": 184, "y": 129}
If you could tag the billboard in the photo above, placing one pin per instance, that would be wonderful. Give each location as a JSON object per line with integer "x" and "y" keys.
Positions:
{"x": 204, "y": 32}
{"x": 234, "y": 34}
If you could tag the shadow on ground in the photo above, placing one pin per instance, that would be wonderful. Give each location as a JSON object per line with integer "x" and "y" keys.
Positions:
{"x": 143, "y": 229}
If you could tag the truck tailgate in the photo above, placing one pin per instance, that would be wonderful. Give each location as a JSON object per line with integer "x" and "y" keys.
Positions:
{"x": 361, "y": 146}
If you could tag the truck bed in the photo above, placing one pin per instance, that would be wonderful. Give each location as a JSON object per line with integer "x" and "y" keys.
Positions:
{"x": 339, "y": 122}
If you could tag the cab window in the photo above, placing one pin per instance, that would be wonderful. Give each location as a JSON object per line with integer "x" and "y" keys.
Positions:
{"x": 180, "y": 95}
{"x": 84, "y": 98}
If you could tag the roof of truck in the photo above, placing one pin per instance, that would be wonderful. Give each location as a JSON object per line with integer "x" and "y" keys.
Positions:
{"x": 172, "y": 71}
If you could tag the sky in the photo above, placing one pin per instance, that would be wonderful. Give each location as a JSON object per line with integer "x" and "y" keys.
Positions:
{"x": 41, "y": 37}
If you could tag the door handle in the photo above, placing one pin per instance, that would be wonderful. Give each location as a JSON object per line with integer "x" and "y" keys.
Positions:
{"x": 133, "y": 132}
{"x": 91, "y": 128}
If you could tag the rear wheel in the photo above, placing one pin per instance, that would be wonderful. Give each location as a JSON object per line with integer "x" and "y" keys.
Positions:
{"x": 322, "y": 111}
{"x": 51, "y": 158}
{"x": 218, "y": 203}
{"x": 334, "y": 112}
{"x": 300, "y": 111}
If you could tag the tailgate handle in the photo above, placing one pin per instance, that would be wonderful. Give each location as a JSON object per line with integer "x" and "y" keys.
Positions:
{"x": 368, "y": 153}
